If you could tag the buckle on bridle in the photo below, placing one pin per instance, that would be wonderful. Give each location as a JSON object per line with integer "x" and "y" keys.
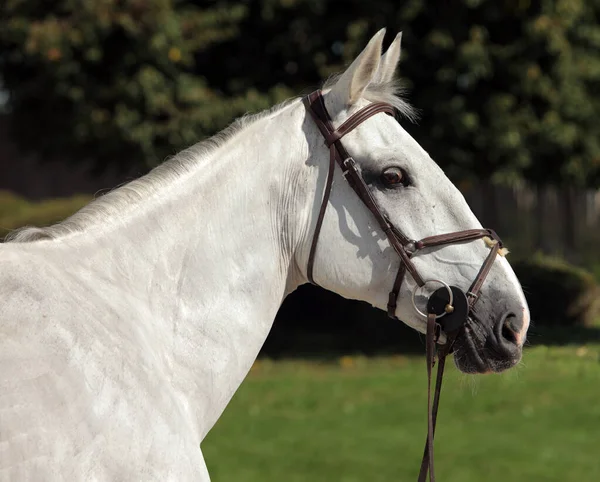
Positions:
{"x": 411, "y": 247}
{"x": 348, "y": 163}
{"x": 472, "y": 297}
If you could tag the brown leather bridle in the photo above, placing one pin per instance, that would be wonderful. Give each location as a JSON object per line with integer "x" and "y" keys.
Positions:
{"x": 449, "y": 304}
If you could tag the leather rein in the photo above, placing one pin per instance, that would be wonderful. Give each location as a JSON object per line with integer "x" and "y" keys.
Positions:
{"x": 450, "y": 305}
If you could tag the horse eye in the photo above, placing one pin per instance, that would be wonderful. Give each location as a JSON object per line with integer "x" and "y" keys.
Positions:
{"x": 394, "y": 176}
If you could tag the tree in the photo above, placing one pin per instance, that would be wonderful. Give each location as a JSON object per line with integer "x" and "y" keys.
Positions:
{"x": 508, "y": 89}
{"x": 117, "y": 82}
{"x": 522, "y": 83}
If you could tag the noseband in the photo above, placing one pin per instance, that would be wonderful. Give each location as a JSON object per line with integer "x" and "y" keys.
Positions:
{"x": 448, "y": 307}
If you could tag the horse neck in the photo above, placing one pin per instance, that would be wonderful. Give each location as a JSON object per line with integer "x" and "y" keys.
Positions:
{"x": 211, "y": 258}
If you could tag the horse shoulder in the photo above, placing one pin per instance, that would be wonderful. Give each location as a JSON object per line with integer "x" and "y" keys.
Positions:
{"x": 75, "y": 399}
{"x": 39, "y": 394}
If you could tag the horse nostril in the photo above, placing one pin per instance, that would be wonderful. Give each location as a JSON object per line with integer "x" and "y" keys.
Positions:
{"x": 508, "y": 333}
{"x": 506, "y": 341}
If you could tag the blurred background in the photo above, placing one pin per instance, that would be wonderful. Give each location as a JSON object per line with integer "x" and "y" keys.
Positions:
{"x": 94, "y": 93}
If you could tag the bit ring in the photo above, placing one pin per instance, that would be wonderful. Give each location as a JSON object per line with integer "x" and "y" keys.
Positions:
{"x": 445, "y": 285}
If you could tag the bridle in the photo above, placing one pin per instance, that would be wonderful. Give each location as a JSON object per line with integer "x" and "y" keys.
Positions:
{"x": 448, "y": 304}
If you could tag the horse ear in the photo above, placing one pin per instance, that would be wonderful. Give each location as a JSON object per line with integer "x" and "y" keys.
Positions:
{"x": 353, "y": 82}
{"x": 389, "y": 62}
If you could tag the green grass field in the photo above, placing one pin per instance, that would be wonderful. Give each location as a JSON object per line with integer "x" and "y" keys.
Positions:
{"x": 361, "y": 419}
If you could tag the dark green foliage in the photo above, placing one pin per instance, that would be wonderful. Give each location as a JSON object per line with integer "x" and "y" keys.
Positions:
{"x": 118, "y": 82}
{"x": 559, "y": 294}
{"x": 508, "y": 89}
{"x": 511, "y": 87}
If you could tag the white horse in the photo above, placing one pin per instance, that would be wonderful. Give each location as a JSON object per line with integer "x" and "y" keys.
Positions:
{"x": 126, "y": 329}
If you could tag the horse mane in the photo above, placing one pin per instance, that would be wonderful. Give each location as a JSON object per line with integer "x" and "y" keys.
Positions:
{"x": 124, "y": 197}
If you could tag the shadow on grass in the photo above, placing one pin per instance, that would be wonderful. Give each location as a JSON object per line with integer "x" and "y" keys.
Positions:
{"x": 317, "y": 324}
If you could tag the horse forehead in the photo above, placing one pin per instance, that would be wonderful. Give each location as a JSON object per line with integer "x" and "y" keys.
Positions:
{"x": 382, "y": 138}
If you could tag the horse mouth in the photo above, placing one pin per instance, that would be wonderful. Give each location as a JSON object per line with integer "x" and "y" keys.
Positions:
{"x": 475, "y": 351}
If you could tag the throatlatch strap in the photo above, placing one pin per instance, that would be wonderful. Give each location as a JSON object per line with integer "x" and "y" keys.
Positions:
{"x": 324, "y": 202}
{"x": 393, "y": 296}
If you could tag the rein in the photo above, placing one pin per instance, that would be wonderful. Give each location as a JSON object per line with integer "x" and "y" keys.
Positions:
{"x": 448, "y": 304}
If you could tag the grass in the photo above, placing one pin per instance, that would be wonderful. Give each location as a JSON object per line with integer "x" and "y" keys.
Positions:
{"x": 364, "y": 420}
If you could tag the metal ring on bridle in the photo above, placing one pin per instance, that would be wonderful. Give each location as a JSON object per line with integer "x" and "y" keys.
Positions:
{"x": 417, "y": 288}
